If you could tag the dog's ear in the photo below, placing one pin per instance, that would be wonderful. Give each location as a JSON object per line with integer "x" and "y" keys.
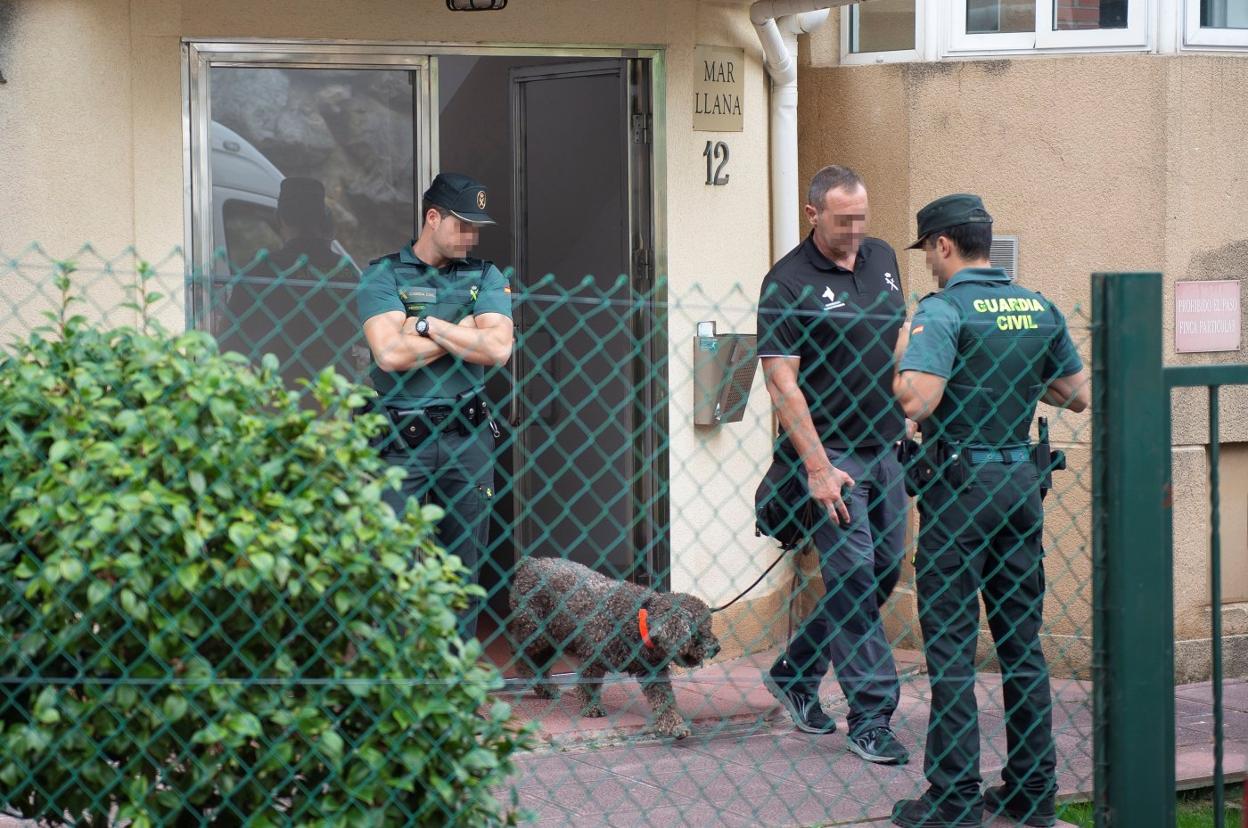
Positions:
{"x": 671, "y": 626}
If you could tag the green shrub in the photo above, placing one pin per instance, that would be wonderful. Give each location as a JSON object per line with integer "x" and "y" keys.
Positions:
{"x": 207, "y": 613}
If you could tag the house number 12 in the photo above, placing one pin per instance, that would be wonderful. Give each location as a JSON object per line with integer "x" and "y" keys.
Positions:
{"x": 713, "y": 151}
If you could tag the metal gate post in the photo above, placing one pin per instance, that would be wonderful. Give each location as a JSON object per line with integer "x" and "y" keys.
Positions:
{"x": 1133, "y": 596}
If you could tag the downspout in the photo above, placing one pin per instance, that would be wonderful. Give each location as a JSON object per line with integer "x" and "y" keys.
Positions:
{"x": 779, "y": 22}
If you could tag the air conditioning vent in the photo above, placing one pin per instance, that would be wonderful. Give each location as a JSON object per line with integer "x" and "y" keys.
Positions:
{"x": 1004, "y": 254}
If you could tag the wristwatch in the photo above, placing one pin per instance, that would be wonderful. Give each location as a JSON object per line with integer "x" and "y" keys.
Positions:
{"x": 422, "y": 326}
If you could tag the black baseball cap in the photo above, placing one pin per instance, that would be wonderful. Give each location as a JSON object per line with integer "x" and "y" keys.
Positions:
{"x": 464, "y": 197}
{"x": 950, "y": 211}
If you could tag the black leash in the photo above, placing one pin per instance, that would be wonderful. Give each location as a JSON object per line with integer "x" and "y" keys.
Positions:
{"x": 751, "y": 586}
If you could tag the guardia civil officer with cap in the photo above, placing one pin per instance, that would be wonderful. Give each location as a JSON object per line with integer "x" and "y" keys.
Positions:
{"x": 982, "y": 352}
{"x": 435, "y": 320}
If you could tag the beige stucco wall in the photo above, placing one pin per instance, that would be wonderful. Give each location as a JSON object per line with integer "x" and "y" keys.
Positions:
{"x": 1096, "y": 163}
{"x": 92, "y": 126}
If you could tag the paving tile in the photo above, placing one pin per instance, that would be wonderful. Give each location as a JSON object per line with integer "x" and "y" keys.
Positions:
{"x": 696, "y": 815}
{"x": 758, "y": 770}
{"x": 638, "y": 761}
{"x": 1234, "y": 693}
{"x": 1194, "y": 765}
{"x": 877, "y": 787}
{"x": 562, "y": 784}
{"x": 544, "y": 811}
{"x": 618, "y": 793}
{"x": 1074, "y": 784}
{"x": 791, "y": 745}
{"x": 725, "y": 786}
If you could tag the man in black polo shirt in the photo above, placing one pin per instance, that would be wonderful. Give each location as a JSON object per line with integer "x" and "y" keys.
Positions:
{"x": 828, "y": 320}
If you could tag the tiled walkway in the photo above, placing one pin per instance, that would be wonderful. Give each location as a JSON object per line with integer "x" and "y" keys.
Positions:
{"x": 746, "y": 765}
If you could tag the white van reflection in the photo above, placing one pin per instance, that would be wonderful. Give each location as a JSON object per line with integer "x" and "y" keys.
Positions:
{"x": 281, "y": 283}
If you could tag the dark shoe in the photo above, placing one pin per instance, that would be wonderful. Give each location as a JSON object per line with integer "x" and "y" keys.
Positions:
{"x": 879, "y": 744}
{"x": 805, "y": 709}
{"x": 925, "y": 813}
{"x": 1040, "y": 814}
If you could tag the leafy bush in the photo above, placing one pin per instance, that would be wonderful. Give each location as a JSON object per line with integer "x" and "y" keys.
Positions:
{"x": 207, "y": 613}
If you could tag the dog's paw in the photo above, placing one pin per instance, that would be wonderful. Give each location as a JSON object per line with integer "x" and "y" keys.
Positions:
{"x": 673, "y": 728}
{"x": 593, "y": 711}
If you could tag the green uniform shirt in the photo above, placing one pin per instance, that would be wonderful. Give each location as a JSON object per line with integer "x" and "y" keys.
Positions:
{"x": 402, "y": 282}
{"x": 998, "y": 344}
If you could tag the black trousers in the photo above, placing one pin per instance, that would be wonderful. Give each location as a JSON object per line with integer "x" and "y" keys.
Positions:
{"x": 984, "y": 536}
{"x": 453, "y": 470}
{"x": 860, "y": 564}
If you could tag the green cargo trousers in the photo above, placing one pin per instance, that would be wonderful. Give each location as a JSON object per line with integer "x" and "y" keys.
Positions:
{"x": 985, "y": 536}
{"x": 453, "y": 469}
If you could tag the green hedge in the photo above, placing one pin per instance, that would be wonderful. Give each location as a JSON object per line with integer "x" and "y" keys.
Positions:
{"x": 207, "y": 613}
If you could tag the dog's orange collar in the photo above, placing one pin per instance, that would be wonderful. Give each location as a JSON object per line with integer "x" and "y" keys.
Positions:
{"x": 643, "y": 622}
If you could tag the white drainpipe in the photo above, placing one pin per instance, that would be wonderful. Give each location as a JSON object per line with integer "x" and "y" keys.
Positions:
{"x": 779, "y": 22}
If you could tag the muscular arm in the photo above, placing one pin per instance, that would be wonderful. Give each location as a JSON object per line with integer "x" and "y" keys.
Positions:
{"x": 1070, "y": 391}
{"x": 825, "y": 480}
{"x": 397, "y": 347}
{"x": 918, "y": 393}
{"x": 486, "y": 340}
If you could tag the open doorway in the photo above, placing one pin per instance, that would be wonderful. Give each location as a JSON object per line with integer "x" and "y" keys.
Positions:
{"x": 305, "y": 165}
{"x": 554, "y": 139}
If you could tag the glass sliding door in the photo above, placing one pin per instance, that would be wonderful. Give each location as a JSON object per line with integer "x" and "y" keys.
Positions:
{"x": 309, "y": 173}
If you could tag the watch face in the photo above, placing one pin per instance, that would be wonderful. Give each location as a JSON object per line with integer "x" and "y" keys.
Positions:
{"x": 422, "y": 327}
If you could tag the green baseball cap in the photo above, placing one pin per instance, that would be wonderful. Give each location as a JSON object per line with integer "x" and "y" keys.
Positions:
{"x": 950, "y": 211}
{"x": 463, "y": 196}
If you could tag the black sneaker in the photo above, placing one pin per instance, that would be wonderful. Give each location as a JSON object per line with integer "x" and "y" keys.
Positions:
{"x": 805, "y": 709}
{"x": 925, "y": 813}
{"x": 1040, "y": 814}
{"x": 879, "y": 744}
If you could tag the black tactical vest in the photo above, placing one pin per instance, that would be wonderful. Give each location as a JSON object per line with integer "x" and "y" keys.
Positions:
{"x": 1002, "y": 366}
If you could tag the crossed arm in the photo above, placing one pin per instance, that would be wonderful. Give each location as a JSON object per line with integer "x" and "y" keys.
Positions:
{"x": 484, "y": 339}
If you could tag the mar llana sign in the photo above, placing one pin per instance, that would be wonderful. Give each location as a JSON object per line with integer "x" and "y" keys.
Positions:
{"x": 718, "y": 89}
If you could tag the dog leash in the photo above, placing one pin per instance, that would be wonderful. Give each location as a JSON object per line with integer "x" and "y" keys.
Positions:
{"x": 758, "y": 581}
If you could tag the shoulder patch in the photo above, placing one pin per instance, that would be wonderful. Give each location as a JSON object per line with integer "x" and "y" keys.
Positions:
{"x": 481, "y": 266}
{"x": 393, "y": 257}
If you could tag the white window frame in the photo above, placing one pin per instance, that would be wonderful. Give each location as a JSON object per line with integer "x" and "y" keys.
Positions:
{"x": 849, "y": 58}
{"x": 1207, "y": 37}
{"x": 961, "y": 42}
{"x": 1135, "y": 36}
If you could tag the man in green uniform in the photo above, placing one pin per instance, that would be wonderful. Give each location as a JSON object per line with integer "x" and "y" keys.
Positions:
{"x": 434, "y": 320}
{"x": 981, "y": 353}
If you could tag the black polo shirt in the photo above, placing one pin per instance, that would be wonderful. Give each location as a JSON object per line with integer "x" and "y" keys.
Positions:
{"x": 843, "y": 326}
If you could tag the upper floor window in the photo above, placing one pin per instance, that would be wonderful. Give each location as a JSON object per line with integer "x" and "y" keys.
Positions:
{"x": 881, "y": 30}
{"x": 891, "y": 30}
{"x": 1216, "y": 23}
{"x": 1017, "y": 25}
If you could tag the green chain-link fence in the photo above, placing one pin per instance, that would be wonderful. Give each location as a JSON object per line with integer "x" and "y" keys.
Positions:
{"x": 211, "y": 615}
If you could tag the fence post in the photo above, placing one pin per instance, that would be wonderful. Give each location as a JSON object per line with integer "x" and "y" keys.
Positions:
{"x": 1133, "y": 596}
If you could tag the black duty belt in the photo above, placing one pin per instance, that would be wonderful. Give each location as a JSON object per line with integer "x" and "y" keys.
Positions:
{"x": 416, "y": 425}
{"x": 1019, "y": 454}
{"x": 433, "y": 413}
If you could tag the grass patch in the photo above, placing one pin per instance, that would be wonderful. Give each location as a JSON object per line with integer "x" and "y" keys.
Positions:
{"x": 1193, "y": 809}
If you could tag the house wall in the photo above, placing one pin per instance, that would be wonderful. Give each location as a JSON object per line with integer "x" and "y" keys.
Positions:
{"x": 1097, "y": 163}
{"x": 93, "y": 152}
